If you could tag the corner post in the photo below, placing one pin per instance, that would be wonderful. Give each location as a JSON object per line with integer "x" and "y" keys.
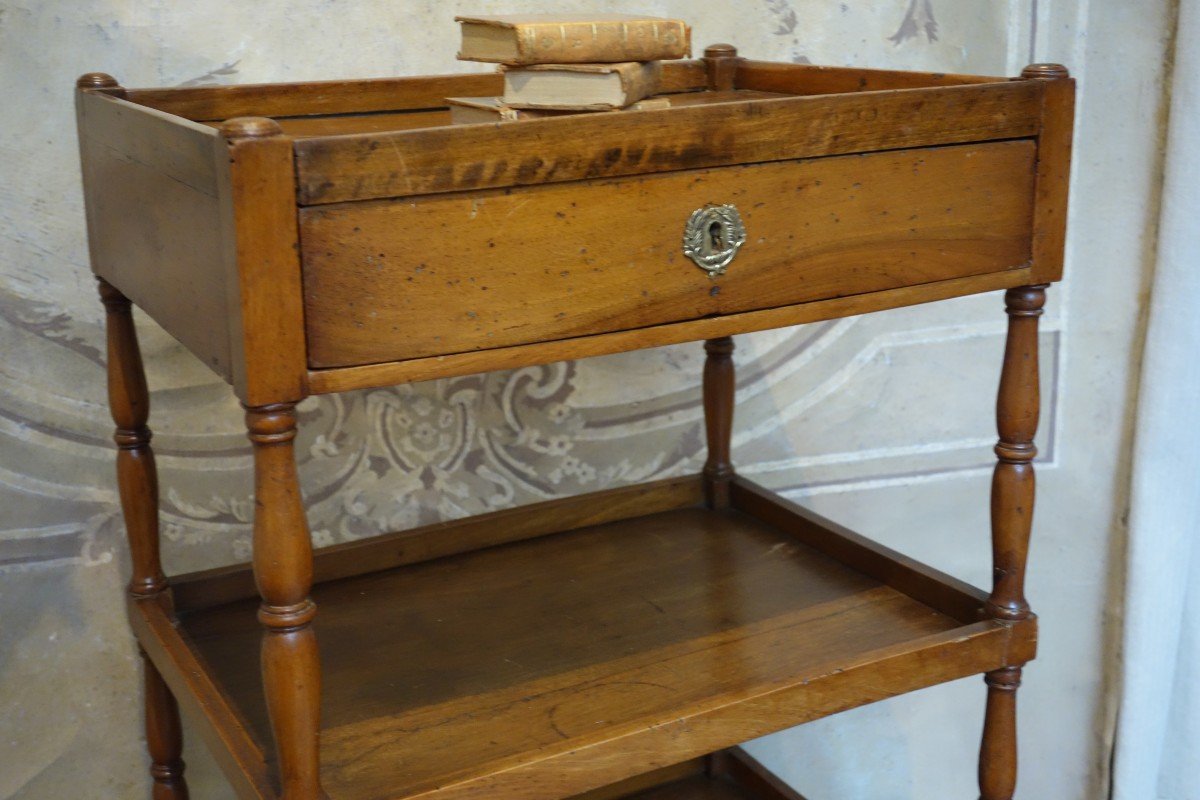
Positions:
{"x": 1053, "y": 177}
{"x": 721, "y": 62}
{"x": 261, "y": 232}
{"x": 1013, "y": 490}
{"x": 719, "y": 386}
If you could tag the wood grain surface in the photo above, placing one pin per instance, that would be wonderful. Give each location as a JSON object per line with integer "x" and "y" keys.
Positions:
{"x": 682, "y": 632}
{"x": 700, "y": 787}
{"x": 151, "y": 185}
{"x": 421, "y": 369}
{"x": 212, "y": 713}
{"x": 731, "y": 774}
{"x": 1053, "y": 170}
{"x": 932, "y": 587}
{"x": 222, "y": 585}
{"x": 259, "y": 233}
{"x": 738, "y": 767}
{"x": 398, "y": 280}
{"x": 812, "y": 79}
{"x": 466, "y": 157}
{"x": 649, "y": 781}
{"x": 219, "y": 103}
{"x": 381, "y": 121}
{"x": 313, "y": 98}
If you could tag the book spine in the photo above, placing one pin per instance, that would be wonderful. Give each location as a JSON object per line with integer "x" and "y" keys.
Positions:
{"x": 641, "y": 82}
{"x": 601, "y": 42}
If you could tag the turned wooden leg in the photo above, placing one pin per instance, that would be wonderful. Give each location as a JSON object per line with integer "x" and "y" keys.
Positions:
{"x": 718, "y": 419}
{"x": 998, "y": 755}
{"x": 283, "y": 564}
{"x": 1017, "y": 405}
{"x": 137, "y": 484}
{"x": 137, "y": 477}
{"x": 164, "y": 736}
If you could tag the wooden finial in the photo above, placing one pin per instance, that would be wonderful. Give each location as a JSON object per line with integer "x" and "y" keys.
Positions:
{"x": 97, "y": 80}
{"x": 720, "y": 51}
{"x": 1045, "y": 72}
{"x": 721, "y": 65}
{"x": 250, "y": 128}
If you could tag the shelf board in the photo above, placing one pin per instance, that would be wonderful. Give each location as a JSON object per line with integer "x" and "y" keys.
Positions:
{"x": 561, "y": 662}
{"x": 700, "y": 787}
{"x": 726, "y": 775}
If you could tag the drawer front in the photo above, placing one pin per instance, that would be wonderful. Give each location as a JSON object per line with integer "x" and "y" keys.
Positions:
{"x": 393, "y": 280}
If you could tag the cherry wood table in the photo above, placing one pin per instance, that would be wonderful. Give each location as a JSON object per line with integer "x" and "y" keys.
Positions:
{"x": 322, "y": 237}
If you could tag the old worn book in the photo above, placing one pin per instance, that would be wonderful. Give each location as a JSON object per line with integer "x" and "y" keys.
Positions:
{"x": 472, "y": 110}
{"x": 582, "y": 87}
{"x": 572, "y": 38}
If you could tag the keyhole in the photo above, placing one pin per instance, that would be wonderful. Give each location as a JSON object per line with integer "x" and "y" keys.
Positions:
{"x": 714, "y": 235}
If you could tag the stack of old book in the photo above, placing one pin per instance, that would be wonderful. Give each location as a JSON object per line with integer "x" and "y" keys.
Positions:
{"x": 569, "y": 64}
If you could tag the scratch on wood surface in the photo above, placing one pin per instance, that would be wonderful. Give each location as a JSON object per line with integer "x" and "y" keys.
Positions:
{"x": 516, "y": 207}
{"x": 783, "y": 550}
{"x": 403, "y": 164}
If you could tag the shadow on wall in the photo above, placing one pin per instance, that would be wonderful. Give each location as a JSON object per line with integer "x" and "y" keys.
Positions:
{"x": 918, "y": 20}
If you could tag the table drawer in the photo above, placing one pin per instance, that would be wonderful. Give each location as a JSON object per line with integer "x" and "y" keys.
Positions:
{"x": 399, "y": 279}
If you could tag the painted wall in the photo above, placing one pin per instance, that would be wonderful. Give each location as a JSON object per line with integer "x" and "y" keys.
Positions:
{"x": 883, "y": 423}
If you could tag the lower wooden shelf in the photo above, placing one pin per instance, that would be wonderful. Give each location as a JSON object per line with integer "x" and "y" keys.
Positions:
{"x": 546, "y": 651}
{"x": 725, "y": 775}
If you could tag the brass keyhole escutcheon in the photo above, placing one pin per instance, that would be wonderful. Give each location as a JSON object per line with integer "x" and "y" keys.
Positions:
{"x": 712, "y": 237}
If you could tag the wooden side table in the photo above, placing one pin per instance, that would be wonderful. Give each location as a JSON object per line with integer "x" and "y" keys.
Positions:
{"x": 321, "y": 237}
